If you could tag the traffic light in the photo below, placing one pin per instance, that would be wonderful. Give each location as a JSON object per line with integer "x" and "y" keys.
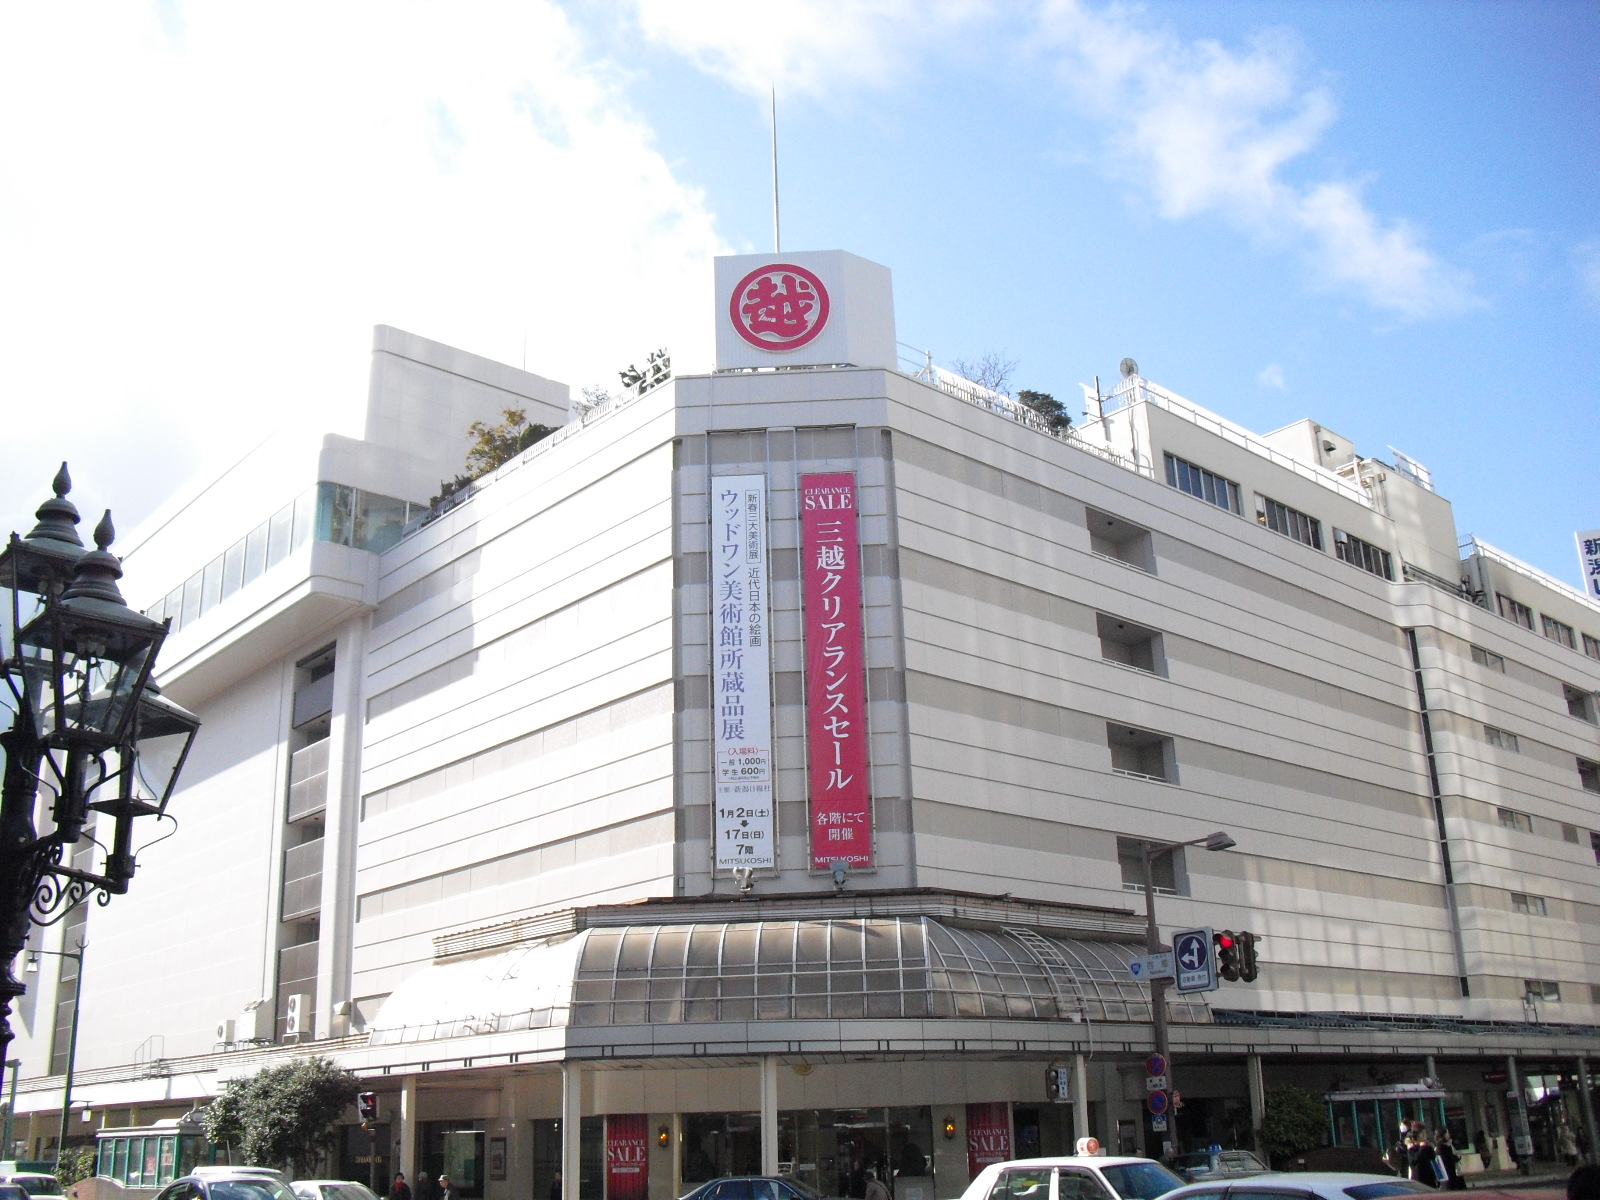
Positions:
{"x": 1227, "y": 954}
{"x": 367, "y": 1107}
{"x": 1248, "y": 967}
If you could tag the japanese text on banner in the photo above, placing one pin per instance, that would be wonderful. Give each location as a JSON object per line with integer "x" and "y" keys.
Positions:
{"x": 743, "y": 824}
{"x": 836, "y": 699}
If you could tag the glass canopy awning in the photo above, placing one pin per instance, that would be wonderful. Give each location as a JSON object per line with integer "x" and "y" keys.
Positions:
{"x": 889, "y": 968}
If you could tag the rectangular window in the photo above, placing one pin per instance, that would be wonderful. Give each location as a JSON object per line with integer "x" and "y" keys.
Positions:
{"x": 1371, "y": 559}
{"x": 1290, "y": 522}
{"x": 1594, "y": 993}
{"x": 1514, "y": 610}
{"x": 233, "y": 569}
{"x": 1591, "y": 646}
{"x": 1203, "y": 485}
{"x": 1589, "y": 775}
{"x": 1488, "y": 658}
{"x": 1594, "y": 844}
{"x": 1123, "y": 541}
{"x": 1141, "y": 754}
{"x": 211, "y": 585}
{"x": 1569, "y": 833}
{"x": 1129, "y": 644}
{"x": 1580, "y": 704}
{"x": 1504, "y": 739}
{"x": 1542, "y": 989}
{"x": 1167, "y": 876}
{"x": 1559, "y": 631}
{"x": 255, "y": 553}
{"x": 1529, "y": 906}
{"x": 1512, "y": 819}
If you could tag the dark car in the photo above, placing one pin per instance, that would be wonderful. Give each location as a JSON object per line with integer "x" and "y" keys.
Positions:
{"x": 752, "y": 1187}
{"x": 236, "y": 1184}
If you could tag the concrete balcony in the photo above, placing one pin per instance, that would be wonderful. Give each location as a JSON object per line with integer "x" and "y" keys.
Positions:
{"x": 308, "y": 781}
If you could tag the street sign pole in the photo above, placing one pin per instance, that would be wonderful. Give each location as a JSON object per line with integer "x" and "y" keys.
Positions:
{"x": 1158, "y": 987}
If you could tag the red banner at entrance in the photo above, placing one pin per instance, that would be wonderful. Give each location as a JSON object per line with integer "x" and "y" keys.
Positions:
{"x": 988, "y": 1136}
{"x": 836, "y": 690}
{"x": 627, "y": 1156}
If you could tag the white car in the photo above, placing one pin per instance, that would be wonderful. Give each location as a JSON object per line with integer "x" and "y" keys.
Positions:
{"x": 1100, "y": 1177}
{"x": 1303, "y": 1185}
{"x": 36, "y": 1185}
{"x": 330, "y": 1189}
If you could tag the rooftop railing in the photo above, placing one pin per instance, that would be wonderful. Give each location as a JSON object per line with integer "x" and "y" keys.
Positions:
{"x": 1471, "y": 545}
{"x": 1139, "y": 390}
{"x": 924, "y": 369}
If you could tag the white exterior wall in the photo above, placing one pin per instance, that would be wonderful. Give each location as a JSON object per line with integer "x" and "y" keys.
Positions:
{"x": 194, "y": 939}
{"x": 519, "y": 692}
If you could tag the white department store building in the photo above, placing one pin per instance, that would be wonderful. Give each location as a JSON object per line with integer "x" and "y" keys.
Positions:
{"x": 751, "y": 774}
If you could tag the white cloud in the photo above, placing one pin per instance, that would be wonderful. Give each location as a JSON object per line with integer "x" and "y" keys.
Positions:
{"x": 1200, "y": 128}
{"x": 1271, "y": 376}
{"x": 208, "y": 208}
{"x": 1205, "y": 129}
{"x": 806, "y": 47}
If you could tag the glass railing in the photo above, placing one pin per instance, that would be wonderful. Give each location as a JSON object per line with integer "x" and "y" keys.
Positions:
{"x": 328, "y": 512}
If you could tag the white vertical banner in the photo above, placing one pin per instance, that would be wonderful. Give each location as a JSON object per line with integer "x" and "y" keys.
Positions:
{"x": 743, "y": 816}
{"x": 1589, "y": 561}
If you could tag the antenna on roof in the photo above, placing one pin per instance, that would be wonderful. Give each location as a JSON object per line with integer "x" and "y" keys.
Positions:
{"x": 1129, "y": 368}
{"x": 777, "y": 242}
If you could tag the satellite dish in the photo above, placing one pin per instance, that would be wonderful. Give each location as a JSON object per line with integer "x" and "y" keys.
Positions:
{"x": 1129, "y": 368}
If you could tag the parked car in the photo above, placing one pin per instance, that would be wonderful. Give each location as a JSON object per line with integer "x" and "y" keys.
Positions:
{"x": 12, "y": 1191}
{"x": 1302, "y": 1185}
{"x": 1199, "y": 1165}
{"x": 228, "y": 1183}
{"x": 752, "y": 1187}
{"x": 1101, "y": 1177}
{"x": 36, "y": 1184}
{"x": 331, "y": 1189}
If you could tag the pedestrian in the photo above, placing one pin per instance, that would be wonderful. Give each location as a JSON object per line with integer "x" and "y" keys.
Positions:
{"x": 1569, "y": 1145}
{"x": 1449, "y": 1161}
{"x": 401, "y": 1190}
{"x": 426, "y": 1188}
{"x": 555, "y": 1187}
{"x": 875, "y": 1188}
{"x": 447, "y": 1190}
{"x": 1419, "y": 1159}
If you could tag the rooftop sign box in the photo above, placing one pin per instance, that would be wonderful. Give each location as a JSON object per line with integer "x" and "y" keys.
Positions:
{"x": 815, "y": 308}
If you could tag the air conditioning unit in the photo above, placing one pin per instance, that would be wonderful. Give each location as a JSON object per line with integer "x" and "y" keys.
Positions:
{"x": 225, "y": 1031}
{"x": 299, "y": 1014}
{"x": 258, "y": 1022}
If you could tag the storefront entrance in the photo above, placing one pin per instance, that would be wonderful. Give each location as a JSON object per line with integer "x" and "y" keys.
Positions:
{"x": 831, "y": 1150}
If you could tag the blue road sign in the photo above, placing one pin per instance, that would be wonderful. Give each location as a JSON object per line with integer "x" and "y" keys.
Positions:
{"x": 1193, "y": 962}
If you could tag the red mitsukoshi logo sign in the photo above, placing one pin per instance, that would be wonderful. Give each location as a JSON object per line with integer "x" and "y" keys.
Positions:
{"x": 779, "y": 307}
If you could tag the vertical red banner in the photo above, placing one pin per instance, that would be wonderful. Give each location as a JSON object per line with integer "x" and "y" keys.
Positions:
{"x": 836, "y": 678}
{"x": 988, "y": 1136}
{"x": 627, "y": 1156}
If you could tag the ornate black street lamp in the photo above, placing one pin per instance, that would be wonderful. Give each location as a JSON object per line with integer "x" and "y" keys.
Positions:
{"x": 88, "y": 724}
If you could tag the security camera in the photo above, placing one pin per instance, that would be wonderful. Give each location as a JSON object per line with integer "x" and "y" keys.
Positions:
{"x": 841, "y": 872}
{"x": 745, "y": 877}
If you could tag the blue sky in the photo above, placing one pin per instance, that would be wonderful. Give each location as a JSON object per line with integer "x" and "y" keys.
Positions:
{"x": 1385, "y": 216}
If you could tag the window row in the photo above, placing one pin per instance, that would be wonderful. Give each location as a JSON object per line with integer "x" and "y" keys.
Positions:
{"x": 1277, "y": 516}
{"x": 329, "y": 512}
{"x": 1581, "y": 703}
{"x": 1519, "y": 613}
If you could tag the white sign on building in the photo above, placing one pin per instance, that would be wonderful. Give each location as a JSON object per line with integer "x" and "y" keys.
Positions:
{"x": 809, "y": 308}
{"x": 1589, "y": 561}
{"x": 743, "y": 822}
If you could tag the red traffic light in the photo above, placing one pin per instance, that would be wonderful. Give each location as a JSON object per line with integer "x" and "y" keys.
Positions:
{"x": 1227, "y": 954}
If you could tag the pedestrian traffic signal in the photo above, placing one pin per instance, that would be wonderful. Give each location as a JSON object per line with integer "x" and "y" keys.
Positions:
{"x": 1248, "y": 967}
{"x": 1227, "y": 954}
{"x": 367, "y": 1107}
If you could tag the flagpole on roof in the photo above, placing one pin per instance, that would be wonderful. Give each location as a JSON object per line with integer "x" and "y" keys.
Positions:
{"x": 777, "y": 241}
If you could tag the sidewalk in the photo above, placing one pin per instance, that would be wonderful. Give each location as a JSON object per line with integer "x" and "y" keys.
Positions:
{"x": 1545, "y": 1175}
